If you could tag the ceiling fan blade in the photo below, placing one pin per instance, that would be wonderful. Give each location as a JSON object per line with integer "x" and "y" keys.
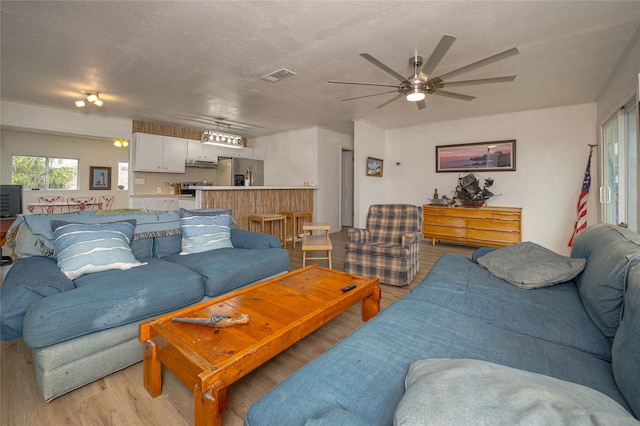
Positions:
{"x": 481, "y": 63}
{"x": 421, "y": 104}
{"x": 453, "y": 95}
{"x": 368, "y": 96}
{"x": 395, "y": 98}
{"x": 438, "y": 53}
{"x": 492, "y": 80}
{"x": 363, "y": 84}
{"x": 383, "y": 67}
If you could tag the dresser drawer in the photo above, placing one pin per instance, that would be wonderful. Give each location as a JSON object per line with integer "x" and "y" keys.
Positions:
{"x": 504, "y": 225}
{"x": 489, "y": 226}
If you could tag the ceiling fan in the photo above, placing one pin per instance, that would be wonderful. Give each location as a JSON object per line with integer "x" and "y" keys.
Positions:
{"x": 415, "y": 87}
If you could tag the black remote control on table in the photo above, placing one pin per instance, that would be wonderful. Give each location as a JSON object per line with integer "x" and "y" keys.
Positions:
{"x": 349, "y": 288}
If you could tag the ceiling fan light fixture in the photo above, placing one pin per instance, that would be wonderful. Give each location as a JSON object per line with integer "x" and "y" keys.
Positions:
{"x": 416, "y": 95}
{"x": 81, "y": 103}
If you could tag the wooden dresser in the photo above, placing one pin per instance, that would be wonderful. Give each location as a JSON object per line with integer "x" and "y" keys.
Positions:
{"x": 483, "y": 226}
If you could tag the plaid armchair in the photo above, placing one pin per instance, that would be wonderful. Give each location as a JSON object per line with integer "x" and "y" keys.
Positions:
{"x": 390, "y": 246}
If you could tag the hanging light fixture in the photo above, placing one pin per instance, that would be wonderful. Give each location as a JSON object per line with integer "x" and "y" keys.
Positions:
{"x": 215, "y": 137}
{"x": 417, "y": 94}
{"x": 121, "y": 143}
{"x": 92, "y": 98}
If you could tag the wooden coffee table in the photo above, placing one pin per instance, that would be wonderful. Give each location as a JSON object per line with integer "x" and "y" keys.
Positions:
{"x": 283, "y": 310}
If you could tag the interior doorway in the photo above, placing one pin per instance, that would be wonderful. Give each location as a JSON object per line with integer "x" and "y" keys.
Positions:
{"x": 346, "y": 188}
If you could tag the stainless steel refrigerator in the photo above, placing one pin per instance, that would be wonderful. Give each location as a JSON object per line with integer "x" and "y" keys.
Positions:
{"x": 235, "y": 171}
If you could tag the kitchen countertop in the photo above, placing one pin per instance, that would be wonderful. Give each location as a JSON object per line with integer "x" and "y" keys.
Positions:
{"x": 240, "y": 188}
{"x": 156, "y": 195}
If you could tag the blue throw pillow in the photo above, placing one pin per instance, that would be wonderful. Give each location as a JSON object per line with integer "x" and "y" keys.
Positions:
{"x": 204, "y": 233}
{"x": 207, "y": 212}
{"x": 87, "y": 248}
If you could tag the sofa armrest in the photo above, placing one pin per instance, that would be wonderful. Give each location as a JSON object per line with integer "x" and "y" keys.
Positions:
{"x": 414, "y": 237}
{"x": 359, "y": 235}
{"x": 28, "y": 281}
{"x": 243, "y": 239}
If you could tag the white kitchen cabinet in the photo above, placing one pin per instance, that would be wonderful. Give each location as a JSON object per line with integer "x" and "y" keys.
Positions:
{"x": 154, "y": 153}
{"x": 236, "y": 152}
{"x": 202, "y": 152}
{"x": 188, "y": 204}
{"x": 164, "y": 204}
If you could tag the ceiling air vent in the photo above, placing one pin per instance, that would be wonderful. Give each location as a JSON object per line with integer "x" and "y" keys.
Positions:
{"x": 278, "y": 75}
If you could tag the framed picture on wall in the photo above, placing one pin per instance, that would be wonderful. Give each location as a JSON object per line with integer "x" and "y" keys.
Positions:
{"x": 477, "y": 157}
{"x": 100, "y": 178}
{"x": 374, "y": 167}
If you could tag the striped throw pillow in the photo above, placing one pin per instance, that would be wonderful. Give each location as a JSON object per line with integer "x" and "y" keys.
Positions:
{"x": 86, "y": 248}
{"x": 204, "y": 233}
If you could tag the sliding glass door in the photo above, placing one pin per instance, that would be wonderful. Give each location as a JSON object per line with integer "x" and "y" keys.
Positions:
{"x": 619, "y": 190}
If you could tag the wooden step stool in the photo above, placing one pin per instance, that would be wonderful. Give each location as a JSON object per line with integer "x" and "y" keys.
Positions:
{"x": 297, "y": 220}
{"x": 272, "y": 219}
{"x": 311, "y": 242}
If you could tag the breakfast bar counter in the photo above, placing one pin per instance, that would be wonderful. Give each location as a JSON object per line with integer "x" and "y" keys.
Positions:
{"x": 251, "y": 200}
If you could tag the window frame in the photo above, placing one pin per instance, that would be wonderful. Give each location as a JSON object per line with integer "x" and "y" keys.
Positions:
{"x": 47, "y": 171}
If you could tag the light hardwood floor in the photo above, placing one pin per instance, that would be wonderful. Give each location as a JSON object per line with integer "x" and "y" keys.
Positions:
{"x": 120, "y": 399}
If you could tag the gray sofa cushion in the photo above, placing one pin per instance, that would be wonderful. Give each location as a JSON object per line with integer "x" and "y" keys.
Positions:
{"x": 475, "y": 292}
{"x": 365, "y": 372}
{"x": 149, "y": 226}
{"x": 227, "y": 269}
{"x": 610, "y": 252}
{"x": 111, "y": 298}
{"x": 253, "y": 240}
{"x": 468, "y": 391}
{"x": 626, "y": 344}
{"x": 529, "y": 265}
{"x": 28, "y": 281}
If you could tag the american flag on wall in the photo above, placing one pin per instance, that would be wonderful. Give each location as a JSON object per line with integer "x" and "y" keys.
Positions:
{"x": 581, "y": 223}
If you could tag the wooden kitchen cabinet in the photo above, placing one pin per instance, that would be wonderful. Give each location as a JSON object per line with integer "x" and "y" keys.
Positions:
{"x": 154, "y": 153}
{"x": 482, "y": 226}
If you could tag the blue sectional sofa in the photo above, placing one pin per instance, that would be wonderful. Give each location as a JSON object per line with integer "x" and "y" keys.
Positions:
{"x": 86, "y": 327}
{"x": 467, "y": 347}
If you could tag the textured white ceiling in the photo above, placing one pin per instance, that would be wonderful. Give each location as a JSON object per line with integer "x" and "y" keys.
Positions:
{"x": 192, "y": 63}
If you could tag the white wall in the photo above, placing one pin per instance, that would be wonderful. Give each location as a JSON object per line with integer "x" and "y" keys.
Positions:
{"x": 46, "y": 119}
{"x": 330, "y": 145}
{"x": 89, "y": 151}
{"x": 368, "y": 141}
{"x": 309, "y": 155}
{"x": 551, "y": 156}
{"x": 622, "y": 84}
{"x": 290, "y": 158}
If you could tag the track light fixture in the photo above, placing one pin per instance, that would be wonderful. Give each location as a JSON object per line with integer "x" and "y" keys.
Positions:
{"x": 214, "y": 137}
{"x": 121, "y": 143}
{"x": 92, "y": 98}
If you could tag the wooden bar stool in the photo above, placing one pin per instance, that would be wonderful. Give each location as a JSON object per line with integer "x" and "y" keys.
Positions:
{"x": 272, "y": 219}
{"x": 297, "y": 220}
{"x": 311, "y": 242}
